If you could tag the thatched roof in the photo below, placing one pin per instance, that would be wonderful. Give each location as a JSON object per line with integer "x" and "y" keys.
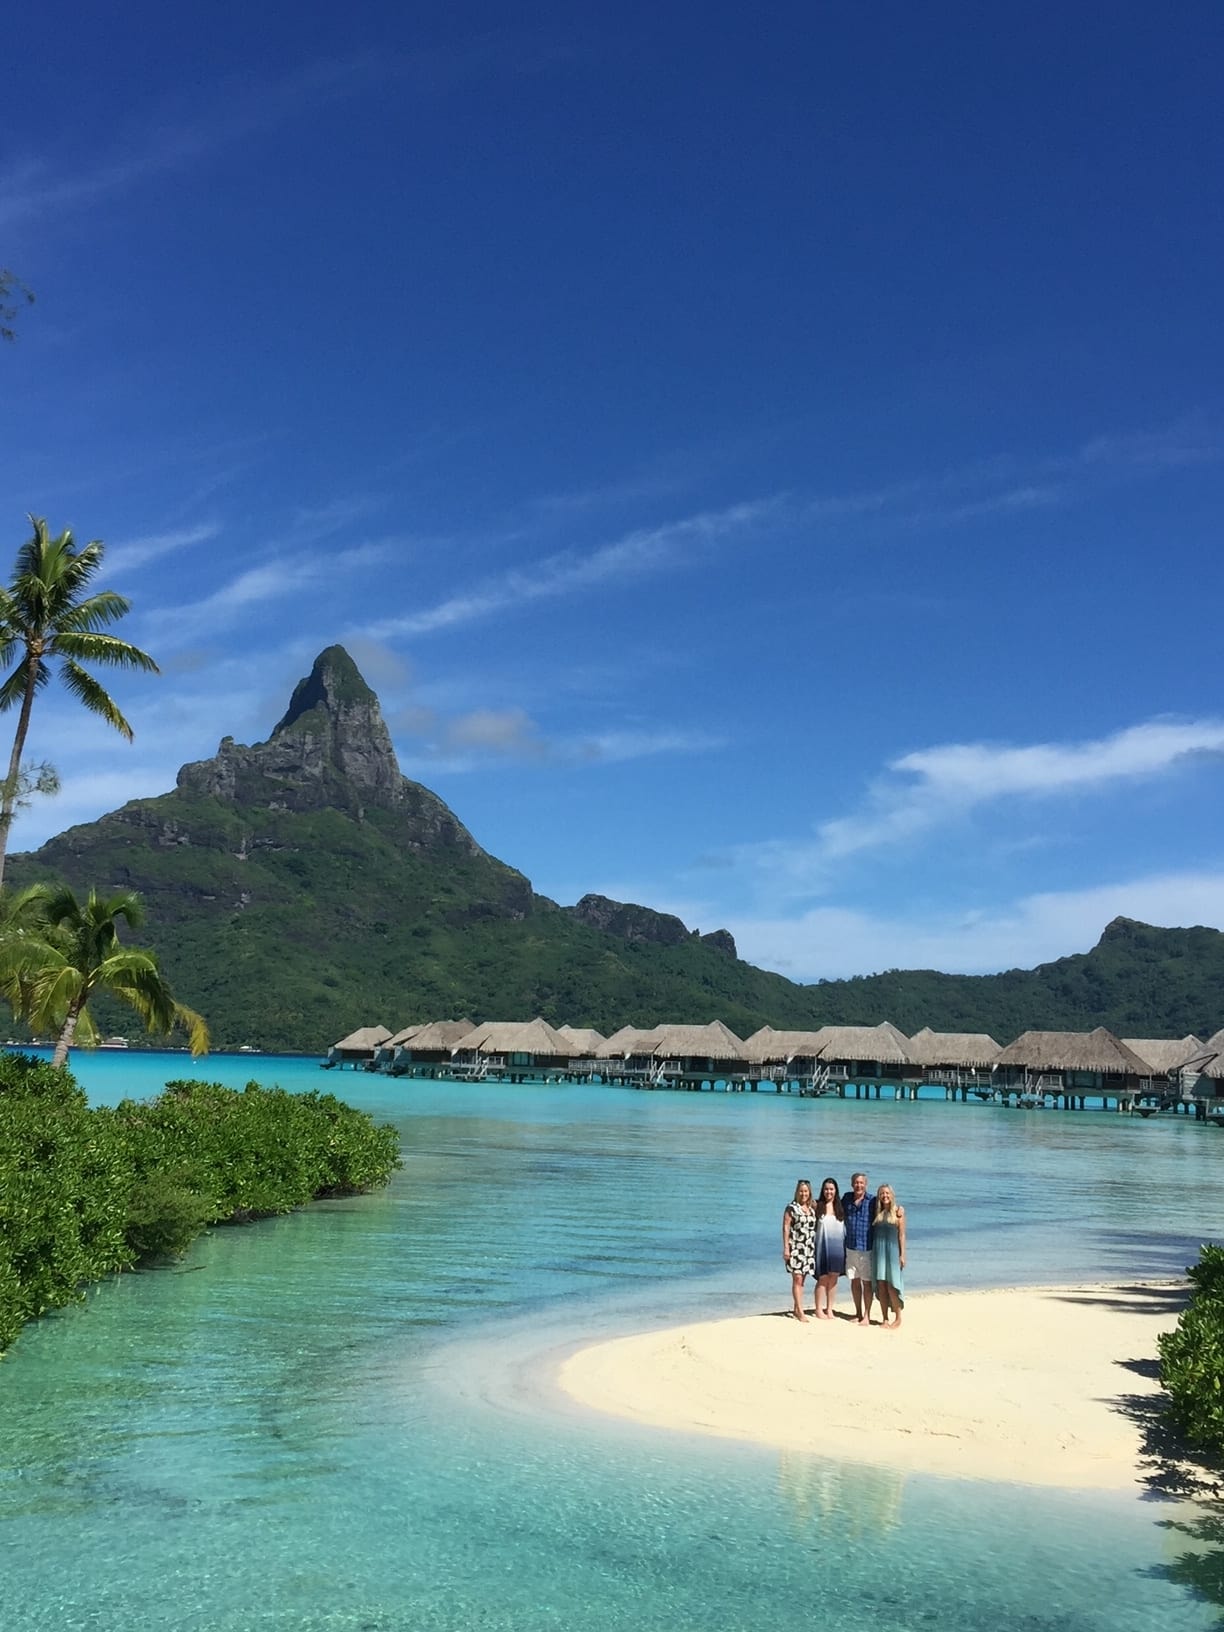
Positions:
{"x": 1165, "y": 1054}
{"x": 883, "y": 1043}
{"x": 1097, "y": 1050}
{"x": 1215, "y": 1043}
{"x": 584, "y": 1038}
{"x": 628, "y": 1040}
{"x": 401, "y": 1036}
{"x": 439, "y": 1034}
{"x": 516, "y": 1037}
{"x": 712, "y": 1042}
{"x": 973, "y": 1049}
{"x": 768, "y": 1044}
{"x": 362, "y": 1041}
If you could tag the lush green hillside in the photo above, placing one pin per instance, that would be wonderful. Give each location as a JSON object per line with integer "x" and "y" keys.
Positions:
{"x": 302, "y": 887}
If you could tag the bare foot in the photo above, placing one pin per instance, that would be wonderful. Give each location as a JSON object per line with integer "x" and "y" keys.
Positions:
{"x": 863, "y": 1320}
{"x": 803, "y": 1318}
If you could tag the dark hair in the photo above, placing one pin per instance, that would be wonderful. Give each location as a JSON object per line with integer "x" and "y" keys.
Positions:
{"x": 837, "y": 1204}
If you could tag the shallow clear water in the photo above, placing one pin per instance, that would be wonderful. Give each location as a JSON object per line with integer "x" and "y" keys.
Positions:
{"x": 345, "y": 1418}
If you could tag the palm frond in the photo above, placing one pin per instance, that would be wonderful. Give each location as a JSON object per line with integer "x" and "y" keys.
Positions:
{"x": 94, "y": 697}
{"x": 95, "y": 612}
{"x": 91, "y": 647}
{"x": 134, "y": 978}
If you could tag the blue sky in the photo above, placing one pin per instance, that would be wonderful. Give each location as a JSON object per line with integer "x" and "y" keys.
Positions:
{"x": 769, "y": 464}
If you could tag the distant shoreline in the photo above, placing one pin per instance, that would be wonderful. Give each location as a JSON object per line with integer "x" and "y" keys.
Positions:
{"x": 1036, "y": 1386}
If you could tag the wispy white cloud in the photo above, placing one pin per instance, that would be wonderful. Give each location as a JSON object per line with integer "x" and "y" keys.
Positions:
{"x": 170, "y": 137}
{"x": 309, "y": 523}
{"x": 829, "y": 943}
{"x": 35, "y": 186}
{"x": 293, "y": 573}
{"x": 931, "y": 787}
{"x": 611, "y": 747}
{"x": 461, "y": 742}
{"x": 129, "y": 554}
{"x": 566, "y": 572}
{"x": 1011, "y": 485}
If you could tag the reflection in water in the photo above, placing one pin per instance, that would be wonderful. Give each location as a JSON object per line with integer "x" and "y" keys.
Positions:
{"x": 1199, "y": 1565}
{"x": 860, "y": 1501}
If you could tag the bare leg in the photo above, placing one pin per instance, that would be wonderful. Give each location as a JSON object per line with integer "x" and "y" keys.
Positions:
{"x": 824, "y": 1296}
{"x": 797, "y": 1297}
{"x": 864, "y": 1314}
{"x": 856, "y": 1292}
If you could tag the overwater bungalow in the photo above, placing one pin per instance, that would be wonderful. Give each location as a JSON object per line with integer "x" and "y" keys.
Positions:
{"x": 426, "y": 1050}
{"x": 385, "y": 1053}
{"x": 1206, "y": 1092}
{"x": 628, "y": 1055}
{"x": 863, "y": 1056}
{"x": 687, "y": 1056}
{"x": 1071, "y": 1065}
{"x": 585, "y": 1042}
{"x": 786, "y": 1057}
{"x": 961, "y": 1060}
{"x": 357, "y": 1048}
{"x": 512, "y": 1050}
{"x": 1175, "y": 1061}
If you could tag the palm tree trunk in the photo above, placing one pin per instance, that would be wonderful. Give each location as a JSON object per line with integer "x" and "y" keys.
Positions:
{"x": 8, "y": 796}
{"x": 64, "y": 1042}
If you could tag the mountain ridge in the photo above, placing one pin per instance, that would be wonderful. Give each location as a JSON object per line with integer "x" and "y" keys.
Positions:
{"x": 301, "y": 886}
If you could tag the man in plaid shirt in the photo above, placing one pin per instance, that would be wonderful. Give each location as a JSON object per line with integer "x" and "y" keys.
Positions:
{"x": 859, "y": 1209}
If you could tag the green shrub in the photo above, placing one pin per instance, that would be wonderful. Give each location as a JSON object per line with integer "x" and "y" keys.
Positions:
{"x": 84, "y": 1193}
{"x": 1192, "y": 1361}
{"x": 164, "y": 1217}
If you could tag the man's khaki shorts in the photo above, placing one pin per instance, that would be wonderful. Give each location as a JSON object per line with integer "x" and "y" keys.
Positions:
{"x": 858, "y": 1264}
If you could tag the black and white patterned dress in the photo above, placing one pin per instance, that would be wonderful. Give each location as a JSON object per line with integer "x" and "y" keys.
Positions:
{"x": 802, "y": 1260}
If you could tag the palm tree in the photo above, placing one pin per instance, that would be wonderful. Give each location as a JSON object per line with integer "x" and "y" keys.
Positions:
{"x": 45, "y": 614}
{"x": 61, "y": 952}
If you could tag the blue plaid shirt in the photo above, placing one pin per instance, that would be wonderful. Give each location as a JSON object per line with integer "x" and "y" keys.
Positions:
{"x": 860, "y": 1215}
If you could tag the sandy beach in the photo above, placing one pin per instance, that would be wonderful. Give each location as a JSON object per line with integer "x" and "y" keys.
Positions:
{"x": 1021, "y": 1386}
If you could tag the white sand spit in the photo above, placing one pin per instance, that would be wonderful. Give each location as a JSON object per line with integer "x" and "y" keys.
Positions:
{"x": 1020, "y": 1386}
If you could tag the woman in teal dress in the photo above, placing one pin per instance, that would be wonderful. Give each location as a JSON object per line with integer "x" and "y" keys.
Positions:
{"x": 888, "y": 1255}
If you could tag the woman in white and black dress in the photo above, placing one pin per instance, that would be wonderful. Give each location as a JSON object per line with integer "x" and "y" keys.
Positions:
{"x": 830, "y": 1247}
{"x": 798, "y": 1242}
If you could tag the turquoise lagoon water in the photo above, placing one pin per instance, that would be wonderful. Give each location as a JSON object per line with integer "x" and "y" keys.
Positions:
{"x": 345, "y": 1419}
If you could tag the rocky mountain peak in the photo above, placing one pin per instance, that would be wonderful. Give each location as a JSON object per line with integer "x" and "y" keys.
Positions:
{"x": 333, "y": 720}
{"x": 634, "y": 923}
{"x": 330, "y": 750}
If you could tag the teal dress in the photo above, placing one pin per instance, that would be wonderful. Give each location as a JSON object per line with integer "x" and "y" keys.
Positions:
{"x": 886, "y": 1257}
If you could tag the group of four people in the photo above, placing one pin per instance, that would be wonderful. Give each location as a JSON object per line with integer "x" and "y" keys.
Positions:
{"x": 859, "y": 1235}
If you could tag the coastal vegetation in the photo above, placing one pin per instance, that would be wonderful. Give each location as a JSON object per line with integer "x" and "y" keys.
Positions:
{"x": 1192, "y": 1363}
{"x": 85, "y": 1193}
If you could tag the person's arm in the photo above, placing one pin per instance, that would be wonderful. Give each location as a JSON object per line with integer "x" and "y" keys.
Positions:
{"x": 786, "y": 1229}
{"x": 901, "y": 1234}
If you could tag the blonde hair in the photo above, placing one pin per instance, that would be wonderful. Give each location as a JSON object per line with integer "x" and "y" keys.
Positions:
{"x": 800, "y": 1186}
{"x": 887, "y": 1215}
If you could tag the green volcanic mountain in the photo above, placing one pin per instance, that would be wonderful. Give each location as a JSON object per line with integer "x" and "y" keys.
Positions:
{"x": 303, "y": 886}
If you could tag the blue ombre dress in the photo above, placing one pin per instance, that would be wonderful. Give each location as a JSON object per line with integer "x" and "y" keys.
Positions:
{"x": 886, "y": 1257}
